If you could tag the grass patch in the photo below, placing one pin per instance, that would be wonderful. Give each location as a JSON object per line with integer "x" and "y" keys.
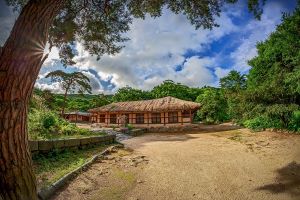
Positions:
{"x": 125, "y": 176}
{"x": 236, "y": 137}
{"x": 54, "y": 165}
{"x": 120, "y": 182}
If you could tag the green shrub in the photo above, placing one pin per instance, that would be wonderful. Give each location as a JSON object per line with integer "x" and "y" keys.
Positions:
{"x": 68, "y": 129}
{"x": 48, "y": 120}
{"x": 262, "y": 122}
{"x": 256, "y": 124}
{"x": 294, "y": 123}
{"x": 129, "y": 126}
{"x": 45, "y": 124}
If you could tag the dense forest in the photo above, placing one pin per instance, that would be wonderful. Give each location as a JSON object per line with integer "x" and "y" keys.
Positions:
{"x": 267, "y": 97}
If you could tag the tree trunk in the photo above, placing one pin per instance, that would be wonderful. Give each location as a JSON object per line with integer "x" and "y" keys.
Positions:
{"x": 20, "y": 60}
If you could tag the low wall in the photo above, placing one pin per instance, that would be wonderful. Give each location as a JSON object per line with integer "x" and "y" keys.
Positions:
{"x": 191, "y": 128}
{"x": 44, "y": 146}
{"x": 136, "y": 132}
{"x": 167, "y": 128}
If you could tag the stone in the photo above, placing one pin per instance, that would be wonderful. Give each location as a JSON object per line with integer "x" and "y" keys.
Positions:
{"x": 59, "y": 144}
{"x": 85, "y": 141}
{"x": 72, "y": 143}
{"x": 45, "y": 145}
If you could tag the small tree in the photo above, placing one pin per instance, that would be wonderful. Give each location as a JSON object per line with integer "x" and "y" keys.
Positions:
{"x": 233, "y": 86}
{"x": 170, "y": 88}
{"x": 233, "y": 82}
{"x": 214, "y": 106}
{"x": 70, "y": 82}
{"x": 130, "y": 94}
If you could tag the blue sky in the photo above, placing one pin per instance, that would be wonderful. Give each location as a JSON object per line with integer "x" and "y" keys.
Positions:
{"x": 170, "y": 48}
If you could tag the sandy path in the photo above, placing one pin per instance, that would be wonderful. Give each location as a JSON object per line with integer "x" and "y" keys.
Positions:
{"x": 217, "y": 165}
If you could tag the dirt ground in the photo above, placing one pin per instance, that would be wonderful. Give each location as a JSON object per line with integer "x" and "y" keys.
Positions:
{"x": 211, "y": 164}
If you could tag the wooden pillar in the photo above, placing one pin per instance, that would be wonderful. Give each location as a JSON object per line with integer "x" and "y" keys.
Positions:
{"x": 191, "y": 116}
{"x": 181, "y": 118}
{"x": 118, "y": 118}
{"x": 107, "y": 118}
{"x": 148, "y": 116}
{"x": 164, "y": 119}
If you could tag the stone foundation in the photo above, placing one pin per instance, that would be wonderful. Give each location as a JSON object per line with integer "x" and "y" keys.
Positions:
{"x": 44, "y": 146}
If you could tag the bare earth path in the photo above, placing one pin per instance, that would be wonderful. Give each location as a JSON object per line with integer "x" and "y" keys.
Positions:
{"x": 220, "y": 165}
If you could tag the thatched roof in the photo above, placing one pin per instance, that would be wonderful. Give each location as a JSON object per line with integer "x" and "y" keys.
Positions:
{"x": 154, "y": 105}
{"x": 78, "y": 113}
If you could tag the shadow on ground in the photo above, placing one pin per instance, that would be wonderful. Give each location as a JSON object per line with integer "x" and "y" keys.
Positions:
{"x": 287, "y": 180}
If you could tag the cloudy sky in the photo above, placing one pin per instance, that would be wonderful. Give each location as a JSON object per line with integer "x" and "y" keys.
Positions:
{"x": 169, "y": 48}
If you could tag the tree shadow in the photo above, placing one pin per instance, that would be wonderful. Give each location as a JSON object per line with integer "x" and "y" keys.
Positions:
{"x": 287, "y": 180}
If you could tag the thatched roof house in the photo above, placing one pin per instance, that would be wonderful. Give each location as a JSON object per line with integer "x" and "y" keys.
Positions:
{"x": 167, "y": 110}
{"x": 77, "y": 116}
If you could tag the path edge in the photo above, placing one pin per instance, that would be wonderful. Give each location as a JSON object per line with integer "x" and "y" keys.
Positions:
{"x": 48, "y": 192}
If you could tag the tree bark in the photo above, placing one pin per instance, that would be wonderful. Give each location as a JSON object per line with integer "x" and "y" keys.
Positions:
{"x": 20, "y": 61}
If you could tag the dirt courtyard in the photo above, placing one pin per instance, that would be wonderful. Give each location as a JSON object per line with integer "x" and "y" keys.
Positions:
{"x": 212, "y": 164}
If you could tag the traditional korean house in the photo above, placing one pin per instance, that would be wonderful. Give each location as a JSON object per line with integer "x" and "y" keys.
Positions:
{"x": 77, "y": 116}
{"x": 155, "y": 112}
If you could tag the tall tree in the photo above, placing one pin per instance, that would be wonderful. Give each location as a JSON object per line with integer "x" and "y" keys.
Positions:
{"x": 214, "y": 106}
{"x": 100, "y": 100}
{"x": 233, "y": 82}
{"x": 170, "y": 88}
{"x": 98, "y": 25}
{"x": 130, "y": 94}
{"x": 273, "y": 83}
{"x": 70, "y": 82}
{"x": 233, "y": 86}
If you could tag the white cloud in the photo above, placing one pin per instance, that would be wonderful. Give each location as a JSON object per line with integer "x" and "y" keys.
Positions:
{"x": 94, "y": 82}
{"x": 54, "y": 87}
{"x": 156, "y": 47}
{"x": 220, "y": 72}
{"x": 53, "y": 55}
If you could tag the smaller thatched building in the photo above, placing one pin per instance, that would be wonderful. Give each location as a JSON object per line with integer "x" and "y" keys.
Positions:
{"x": 155, "y": 112}
{"x": 77, "y": 116}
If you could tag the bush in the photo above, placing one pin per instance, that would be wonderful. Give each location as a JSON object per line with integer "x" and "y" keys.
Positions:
{"x": 294, "y": 123}
{"x": 45, "y": 124}
{"x": 262, "y": 122}
{"x": 256, "y": 124}
{"x": 278, "y": 116}
{"x": 68, "y": 129}
{"x": 129, "y": 126}
{"x": 48, "y": 120}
